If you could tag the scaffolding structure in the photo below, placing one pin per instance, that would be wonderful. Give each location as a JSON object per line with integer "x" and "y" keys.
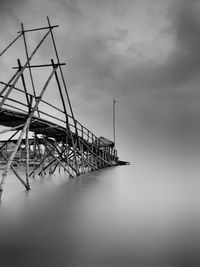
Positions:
{"x": 65, "y": 142}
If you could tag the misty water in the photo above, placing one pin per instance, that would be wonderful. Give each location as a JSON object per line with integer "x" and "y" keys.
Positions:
{"x": 119, "y": 216}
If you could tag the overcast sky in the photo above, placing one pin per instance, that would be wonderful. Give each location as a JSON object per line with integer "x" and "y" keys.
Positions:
{"x": 144, "y": 53}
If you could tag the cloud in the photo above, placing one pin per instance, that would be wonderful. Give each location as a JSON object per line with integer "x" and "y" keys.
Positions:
{"x": 103, "y": 68}
{"x": 101, "y": 43}
{"x": 159, "y": 94}
{"x": 89, "y": 40}
{"x": 7, "y": 8}
{"x": 181, "y": 65}
{"x": 184, "y": 61}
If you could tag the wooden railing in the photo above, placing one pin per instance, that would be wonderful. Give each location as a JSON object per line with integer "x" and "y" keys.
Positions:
{"x": 75, "y": 126}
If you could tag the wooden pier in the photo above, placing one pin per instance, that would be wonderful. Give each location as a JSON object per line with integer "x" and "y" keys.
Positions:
{"x": 23, "y": 109}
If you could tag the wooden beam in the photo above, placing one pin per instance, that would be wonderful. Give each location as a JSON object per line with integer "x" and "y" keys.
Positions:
{"x": 42, "y": 65}
{"x": 10, "y": 44}
{"x": 38, "y": 29}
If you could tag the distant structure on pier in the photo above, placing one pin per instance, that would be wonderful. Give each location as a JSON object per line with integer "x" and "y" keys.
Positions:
{"x": 58, "y": 139}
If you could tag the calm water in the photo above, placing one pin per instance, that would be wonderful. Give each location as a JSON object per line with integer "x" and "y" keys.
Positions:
{"x": 121, "y": 216}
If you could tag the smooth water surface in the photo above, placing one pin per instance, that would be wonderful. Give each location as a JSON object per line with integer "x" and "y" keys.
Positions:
{"x": 120, "y": 216}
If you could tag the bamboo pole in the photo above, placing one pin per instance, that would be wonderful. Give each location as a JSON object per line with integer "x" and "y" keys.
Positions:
{"x": 114, "y": 120}
{"x": 39, "y": 29}
{"x": 28, "y": 65}
{"x": 23, "y": 82}
{"x": 67, "y": 152}
{"x": 61, "y": 95}
{"x": 34, "y": 153}
{"x": 62, "y": 76}
{"x": 64, "y": 107}
{"x": 82, "y": 155}
{"x": 27, "y": 157}
{"x": 10, "y": 44}
{"x": 66, "y": 91}
{"x": 42, "y": 172}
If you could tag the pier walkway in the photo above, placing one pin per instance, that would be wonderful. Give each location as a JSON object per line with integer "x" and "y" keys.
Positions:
{"x": 58, "y": 139}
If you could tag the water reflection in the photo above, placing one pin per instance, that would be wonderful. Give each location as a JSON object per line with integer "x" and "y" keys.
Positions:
{"x": 120, "y": 216}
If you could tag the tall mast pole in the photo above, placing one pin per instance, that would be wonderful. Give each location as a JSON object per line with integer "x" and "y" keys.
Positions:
{"x": 114, "y": 101}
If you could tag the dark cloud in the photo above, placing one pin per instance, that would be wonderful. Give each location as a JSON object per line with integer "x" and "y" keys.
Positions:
{"x": 109, "y": 71}
{"x": 8, "y": 7}
{"x": 154, "y": 91}
{"x": 97, "y": 67}
{"x": 161, "y": 96}
{"x": 167, "y": 105}
{"x": 184, "y": 61}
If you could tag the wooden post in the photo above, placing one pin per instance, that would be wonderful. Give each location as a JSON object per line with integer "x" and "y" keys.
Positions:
{"x": 62, "y": 76}
{"x": 66, "y": 92}
{"x": 67, "y": 154}
{"x": 10, "y": 44}
{"x": 27, "y": 157}
{"x": 28, "y": 65}
{"x": 23, "y": 82}
{"x": 114, "y": 120}
{"x": 34, "y": 153}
